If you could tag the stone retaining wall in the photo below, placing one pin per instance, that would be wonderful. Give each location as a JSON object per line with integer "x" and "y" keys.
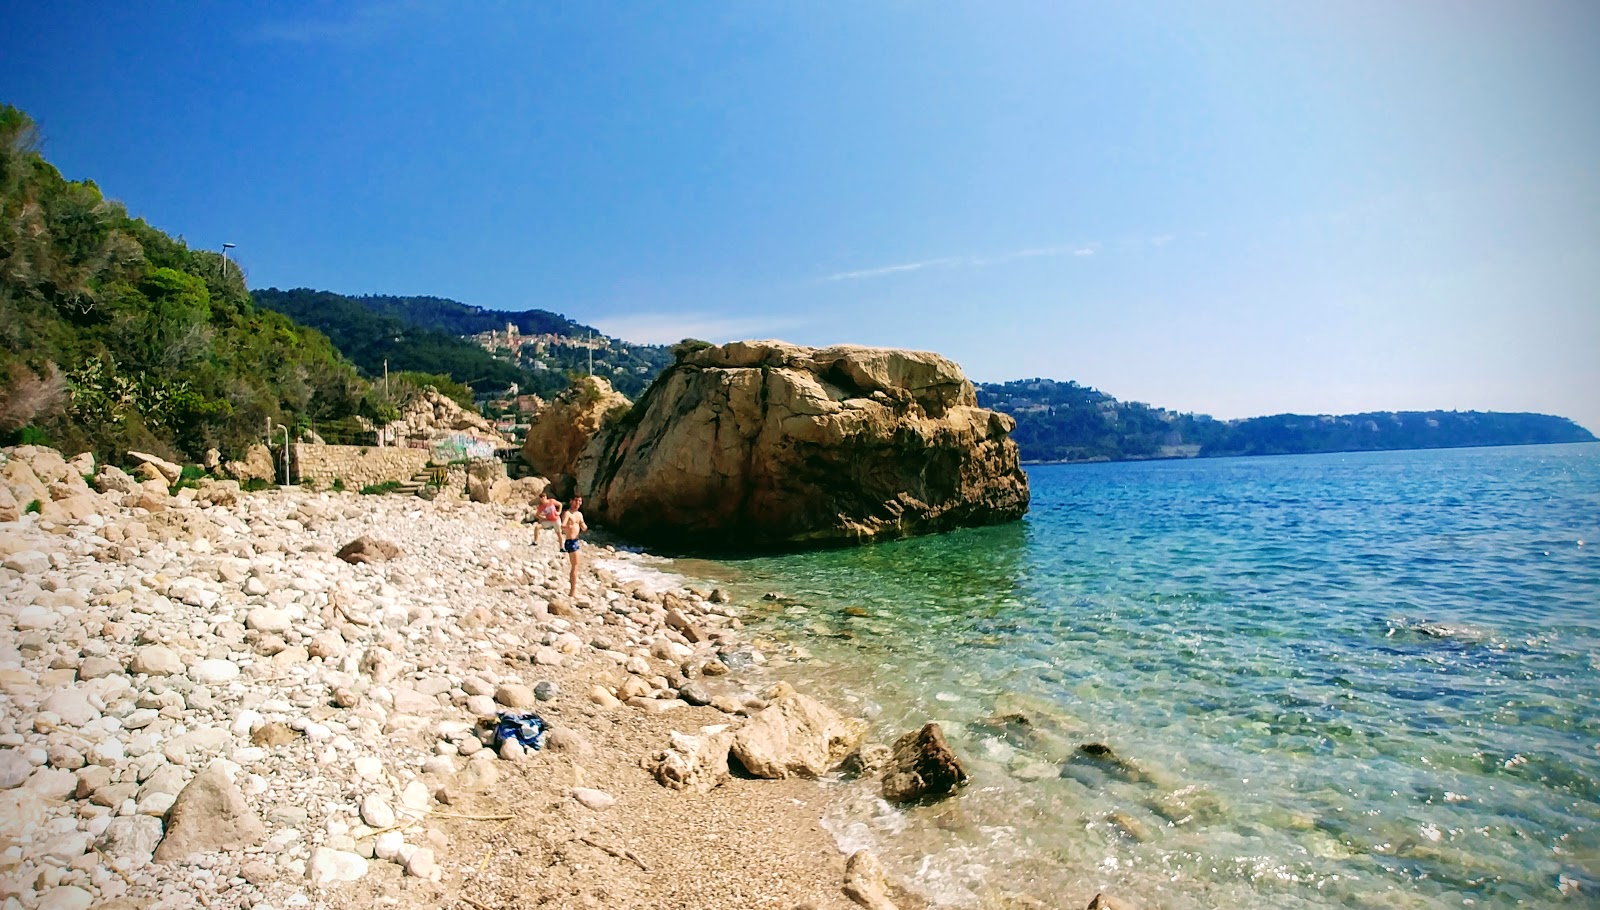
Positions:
{"x": 357, "y": 466}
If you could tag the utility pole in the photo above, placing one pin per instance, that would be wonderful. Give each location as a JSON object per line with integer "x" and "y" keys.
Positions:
{"x": 591, "y": 354}
{"x": 385, "y": 377}
{"x": 225, "y": 248}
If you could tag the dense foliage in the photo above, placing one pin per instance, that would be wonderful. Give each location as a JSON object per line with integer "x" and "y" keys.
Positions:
{"x": 1063, "y": 421}
{"x": 115, "y": 336}
{"x": 370, "y": 339}
{"x": 455, "y": 318}
{"x": 424, "y": 333}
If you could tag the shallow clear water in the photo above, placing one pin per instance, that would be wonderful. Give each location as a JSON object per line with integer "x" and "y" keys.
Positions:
{"x": 1341, "y": 680}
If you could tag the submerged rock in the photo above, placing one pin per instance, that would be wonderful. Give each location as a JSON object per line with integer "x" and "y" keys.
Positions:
{"x": 922, "y": 766}
{"x": 766, "y": 444}
{"x": 865, "y": 882}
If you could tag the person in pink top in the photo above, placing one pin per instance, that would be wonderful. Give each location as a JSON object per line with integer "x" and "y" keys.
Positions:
{"x": 547, "y": 515}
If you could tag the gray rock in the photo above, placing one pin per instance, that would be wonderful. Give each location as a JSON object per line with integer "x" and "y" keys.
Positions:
{"x": 210, "y": 814}
{"x": 135, "y": 837}
{"x": 694, "y": 694}
{"x": 72, "y": 705}
{"x": 14, "y": 769}
{"x": 546, "y": 690}
{"x": 51, "y": 783}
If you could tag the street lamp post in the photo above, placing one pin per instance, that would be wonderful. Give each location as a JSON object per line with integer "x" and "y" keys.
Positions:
{"x": 225, "y": 248}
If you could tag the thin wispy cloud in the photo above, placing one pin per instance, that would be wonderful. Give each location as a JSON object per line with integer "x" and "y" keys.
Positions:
{"x": 655, "y": 328}
{"x": 895, "y": 269}
{"x": 975, "y": 262}
{"x": 355, "y": 23}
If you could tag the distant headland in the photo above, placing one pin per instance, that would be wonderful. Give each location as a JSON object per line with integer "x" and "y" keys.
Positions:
{"x": 1067, "y": 422}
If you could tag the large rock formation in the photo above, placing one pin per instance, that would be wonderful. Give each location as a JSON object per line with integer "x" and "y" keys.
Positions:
{"x": 766, "y": 444}
{"x": 433, "y": 416}
{"x": 563, "y": 429}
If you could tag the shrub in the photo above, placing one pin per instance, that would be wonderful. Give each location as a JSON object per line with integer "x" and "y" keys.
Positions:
{"x": 377, "y": 489}
{"x": 338, "y": 485}
{"x": 688, "y": 346}
{"x": 33, "y": 508}
{"x": 256, "y": 484}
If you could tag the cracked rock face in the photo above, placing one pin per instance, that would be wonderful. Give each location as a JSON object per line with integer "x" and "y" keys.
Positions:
{"x": 766, "y": 445}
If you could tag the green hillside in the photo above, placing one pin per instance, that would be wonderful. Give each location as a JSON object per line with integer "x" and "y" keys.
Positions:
{"x": 425, "y": 334}
{"x": 115, "y": 336}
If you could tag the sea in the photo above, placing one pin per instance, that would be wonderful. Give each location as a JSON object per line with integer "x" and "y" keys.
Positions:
{"x": 1349, "y": 680}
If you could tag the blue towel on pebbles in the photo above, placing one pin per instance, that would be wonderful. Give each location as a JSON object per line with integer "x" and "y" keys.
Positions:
{"x": 528, "y": 729}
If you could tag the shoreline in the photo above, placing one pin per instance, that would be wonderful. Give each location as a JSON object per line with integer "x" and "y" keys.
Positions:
{"x": 325, "y": 688}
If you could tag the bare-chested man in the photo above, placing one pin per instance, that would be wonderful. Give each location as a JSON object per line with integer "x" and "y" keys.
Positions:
{"x": 573, "y": 526}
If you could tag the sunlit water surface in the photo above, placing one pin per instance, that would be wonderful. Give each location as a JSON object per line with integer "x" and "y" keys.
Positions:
{"x": 1364, "y": 680}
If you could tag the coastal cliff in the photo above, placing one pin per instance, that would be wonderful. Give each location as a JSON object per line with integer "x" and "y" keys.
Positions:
{"x": 763, "y": 444}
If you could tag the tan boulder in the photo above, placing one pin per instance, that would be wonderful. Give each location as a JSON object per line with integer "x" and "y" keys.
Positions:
{"x": 695, "y": 763}
{"x": 46, "y": 463}
{"x": 70, "y": 508}
{"x": 560, "y": 433}
{"x": 796, "y": 736}
{"x": 866, "y": 883}
{"x": 487, "y": 482}
{"x": 369, "y": 549}
{"x": 257, "y": 464}
{"x": 766, "y": 444}
{"x": 24, "y": 484}
{"x": 10, "y": 509}
{"x": 218, "y": 492}
{"x": 165, "y": 468}
{"x": 434, "y": 416}
{"x": 210, "y": 815}
{"x": 112, "y": 479}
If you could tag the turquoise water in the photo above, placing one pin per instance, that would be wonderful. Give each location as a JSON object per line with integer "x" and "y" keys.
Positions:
{"x": 1363, "y": 680}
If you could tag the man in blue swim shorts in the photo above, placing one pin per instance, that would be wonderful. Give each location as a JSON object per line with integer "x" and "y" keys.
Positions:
{"x": 572, "y": 527}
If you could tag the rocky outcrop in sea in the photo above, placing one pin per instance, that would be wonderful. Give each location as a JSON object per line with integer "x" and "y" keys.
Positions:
{"x": 764, "y": 444}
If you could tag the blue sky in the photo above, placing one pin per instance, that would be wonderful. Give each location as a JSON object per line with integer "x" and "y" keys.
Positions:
{"x": 1236, "y": 208}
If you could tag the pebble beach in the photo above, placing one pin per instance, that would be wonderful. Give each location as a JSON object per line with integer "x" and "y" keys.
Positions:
{"x": 205, "y": 705}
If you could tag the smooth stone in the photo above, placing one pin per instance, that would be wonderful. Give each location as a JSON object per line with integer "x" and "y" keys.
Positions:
{"x": 214, "y": 671}
{"x": 72, "y": 705}
{"x": 375, "y": 811}
{"x": 332, "y": 867}
{"x": 514, "y": 695}
{"x": 155, "y": 660}
{"x": 594, "y": 799}
{"x": 65, "y": 897}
